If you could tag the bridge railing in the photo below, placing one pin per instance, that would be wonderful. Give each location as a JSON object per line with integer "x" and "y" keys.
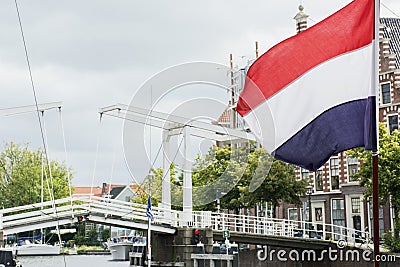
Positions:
{"x": 277, "y": 227}
{"x": 47, "y": 213}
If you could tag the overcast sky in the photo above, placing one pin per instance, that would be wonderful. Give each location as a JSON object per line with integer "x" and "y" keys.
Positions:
{"x": 94, "y": 53}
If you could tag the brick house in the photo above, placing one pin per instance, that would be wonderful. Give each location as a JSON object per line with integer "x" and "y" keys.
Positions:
{"x": 337, "y": 198}
{"x": 114, "y": 191}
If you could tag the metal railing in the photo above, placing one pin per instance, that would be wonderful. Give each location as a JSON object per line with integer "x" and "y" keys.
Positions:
{"x": 35, "y": 216}
{"x": 254, "y": 225}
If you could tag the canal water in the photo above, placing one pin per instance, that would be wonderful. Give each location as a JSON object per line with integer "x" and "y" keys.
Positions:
{"x": 71, "y": 261}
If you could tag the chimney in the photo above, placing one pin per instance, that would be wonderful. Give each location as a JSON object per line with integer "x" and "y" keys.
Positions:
{"x": 104, "y": 189}
{"x": 301, "y": 20}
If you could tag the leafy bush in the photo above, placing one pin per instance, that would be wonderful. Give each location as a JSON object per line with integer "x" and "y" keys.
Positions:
{"x": 390, "y": 242}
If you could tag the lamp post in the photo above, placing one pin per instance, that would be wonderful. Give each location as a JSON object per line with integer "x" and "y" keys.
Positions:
{"x": 309, "y": 192}
{"x": 218, "y": 195}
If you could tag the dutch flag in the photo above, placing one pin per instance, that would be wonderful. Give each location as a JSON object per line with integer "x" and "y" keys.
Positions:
{"x": 313, "y": 95}
{"x": 149, "y": 213}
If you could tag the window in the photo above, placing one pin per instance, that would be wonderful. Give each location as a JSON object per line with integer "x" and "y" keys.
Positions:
{"x": 355, "y": 205}
{"x": 293, "y": 214}
{"x": 338, "y": 217}
{"x": 385, "y": 93}
{"x": 334, "y": 168}
{"x": 304, "y": 174}
{"x": 393, "y": 121}
{"x": 381, "y": 223}
{"x": 319, "y": 182}
{"x": 352, "y": 167}
{"x": 318, "y": 214}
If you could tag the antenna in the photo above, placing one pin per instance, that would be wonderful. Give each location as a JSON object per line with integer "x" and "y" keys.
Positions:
{"x": 256, "y": 49}
{"x": 233, "y": 123}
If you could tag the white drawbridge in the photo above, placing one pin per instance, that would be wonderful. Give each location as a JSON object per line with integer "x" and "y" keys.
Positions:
{"x": 131, "y": 215}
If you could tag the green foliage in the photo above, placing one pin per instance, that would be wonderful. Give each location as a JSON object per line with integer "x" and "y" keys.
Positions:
{"x": 105, "y": 233}
{"x": 279, "y": 184}
{"x": 156, "y": 187}
{"x": 390, "y": 242}
{"x": 221, "y": 169}
{"x": 79, "y": 237}
{"x": 92, "y": 237}
{"x": 389, "y": 172}
{"x": 21, "y": 177}
{"x": 245, "y": 166}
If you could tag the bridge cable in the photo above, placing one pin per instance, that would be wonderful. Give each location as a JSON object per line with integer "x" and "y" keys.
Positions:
{"x": 95, "y": 159}
{"x": 112, "y": 171}
{"x": 141, "y": 186}
{"x": 390, "y": 10}
{"x": 35, "y": 97}
{"x": 66, "y": 162}
{"x": 51, "y": 190}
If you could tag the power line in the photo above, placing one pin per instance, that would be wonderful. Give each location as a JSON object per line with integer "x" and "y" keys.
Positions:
{"x": 390, "y": 10}
{"x": 37, "y": 111}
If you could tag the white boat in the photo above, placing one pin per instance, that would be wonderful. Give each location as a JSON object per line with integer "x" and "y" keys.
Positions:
{"x": 32, "y": 249}
{"x": 120, "y": 247}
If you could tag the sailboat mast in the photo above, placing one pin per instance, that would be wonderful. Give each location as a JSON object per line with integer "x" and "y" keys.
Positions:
{"x": 42, "y": 198}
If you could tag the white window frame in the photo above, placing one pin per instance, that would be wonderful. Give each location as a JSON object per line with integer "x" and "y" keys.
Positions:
{"x": 387, "y": 120}
{"x": 330, "y": 173}
{"x": 348, "y": 169}
{"x": 344, "y": 209}
{"x": 315, "y": 180}
{"x": 304, "y": 171}
{"x": 297, "y": 211}
{"x": 390, "y": 93}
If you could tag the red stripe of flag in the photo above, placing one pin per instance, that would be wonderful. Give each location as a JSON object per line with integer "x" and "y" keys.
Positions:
{"x": 348, "y": 29}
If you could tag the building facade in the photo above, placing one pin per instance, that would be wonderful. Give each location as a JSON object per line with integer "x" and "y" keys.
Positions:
{"x": 337, "y": 198}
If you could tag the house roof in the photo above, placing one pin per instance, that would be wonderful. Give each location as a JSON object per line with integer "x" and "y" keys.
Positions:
{"x": 225, "y": 116}
{"x": 99, "y": 191}
{"x": 136, "y": 188}
{"x": 116, "y": 191}
{"x": 87, "y": 191}
{"x": 392, "y": 32}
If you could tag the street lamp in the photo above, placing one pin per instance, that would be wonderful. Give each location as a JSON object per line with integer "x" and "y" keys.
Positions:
{"x": 309, "y": 192}
{"x": 218, "y": 195}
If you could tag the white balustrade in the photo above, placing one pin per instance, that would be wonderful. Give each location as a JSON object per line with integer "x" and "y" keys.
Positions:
{"x": 38, "y": 215}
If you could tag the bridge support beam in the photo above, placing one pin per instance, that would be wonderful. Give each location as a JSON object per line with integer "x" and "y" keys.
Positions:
{"x": 2, "y": 238}
{"x": 187, "y": 179}
{"x": 166, "y": 181}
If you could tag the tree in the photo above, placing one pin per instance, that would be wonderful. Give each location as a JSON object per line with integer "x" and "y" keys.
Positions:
{"x": 276, "y": 179}
{"x": 21, "y": 176}
{"x": 245, "y": 166}
{"x": 389, "y": 171}
{"x": 156, "y": 187}
{"x": 222, "y": 169}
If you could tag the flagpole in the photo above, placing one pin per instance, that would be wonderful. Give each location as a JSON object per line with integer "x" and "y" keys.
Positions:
{"x": 375, "y": 154}
{"x": 149, "y": 227}
{"x": 148, "y": 242}
{"x": 375, "y": 205}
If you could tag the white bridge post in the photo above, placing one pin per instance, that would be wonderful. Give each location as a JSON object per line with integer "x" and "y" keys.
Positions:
{"x": 187, "y": 178}
{"x": 166, "y": 181}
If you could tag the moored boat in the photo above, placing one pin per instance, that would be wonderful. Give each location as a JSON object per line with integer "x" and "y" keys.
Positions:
{"x": 121, "y": 246}
{"x": 28, "y": 248}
